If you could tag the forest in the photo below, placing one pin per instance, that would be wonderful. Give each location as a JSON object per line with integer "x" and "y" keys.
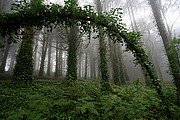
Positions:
{"x": 90, "y": 60}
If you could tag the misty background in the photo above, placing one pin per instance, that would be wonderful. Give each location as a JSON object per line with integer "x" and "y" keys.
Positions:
{"x": 50, "y": 48}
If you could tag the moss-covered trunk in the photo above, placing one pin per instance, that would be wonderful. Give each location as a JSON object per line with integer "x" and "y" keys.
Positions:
{"x": 71, "y": 74}
{"x": 24, "y": 62}
{"x": 103, "y": 63}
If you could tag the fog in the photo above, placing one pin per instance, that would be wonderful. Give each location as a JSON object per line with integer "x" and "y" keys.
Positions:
{"x": 50, "y": 48}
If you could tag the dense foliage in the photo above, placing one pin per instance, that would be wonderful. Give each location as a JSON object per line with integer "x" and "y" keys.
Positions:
{"x": 41, "y": 15}
{"x": 82, "y": 101}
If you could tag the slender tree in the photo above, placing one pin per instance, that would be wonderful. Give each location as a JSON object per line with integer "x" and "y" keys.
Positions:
{"x": 56, "y": 74}
{"x": 5, "y": 6}
{"x": 102, "y": 53}
{"x": 3, "y": 64}
{"x": 49, "y": 58}
{"x": 43, "y": 54}
{"x": 13, "y": 52}
{"x": 166, "y": 40}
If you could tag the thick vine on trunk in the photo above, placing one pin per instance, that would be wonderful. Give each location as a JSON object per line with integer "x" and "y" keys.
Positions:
{"x": 23, "y": 70}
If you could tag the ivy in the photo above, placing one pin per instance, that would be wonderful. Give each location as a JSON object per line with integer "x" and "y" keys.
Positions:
{"x": 23, "y": 69}
{"x": 41, "y": 15}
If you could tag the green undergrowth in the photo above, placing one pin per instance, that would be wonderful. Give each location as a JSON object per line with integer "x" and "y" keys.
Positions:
{"x": 54, "y": 100}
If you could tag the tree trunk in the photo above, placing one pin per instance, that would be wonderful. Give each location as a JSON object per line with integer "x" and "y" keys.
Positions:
{"x": 166, "y": 40}
{"x": 123, "y": 73}
{"x": 23, "y": 70}
{"x": 71, "y": 74}
{"x": 102, "y": 52}
{"x": 49, "y": 59}
{"x": 111, "y": 60}
{"x": 3, "y": 64}
{"x": 86, "y": 65}
{"x": 43, "y": 55}
{"x": 56, "y": 74}
{"x": 13, "y": 55}
{"x": 35, "y": 65}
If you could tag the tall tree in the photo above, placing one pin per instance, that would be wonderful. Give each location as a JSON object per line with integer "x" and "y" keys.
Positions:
{"x": 43, "y": 55}
{"x": 56, "y": 74}
{"x": 72, "y": 53}
{"x": 5, "y": 6}
{"x": 23, "y": 70}
{"x": 166, "y": 40}
{"x": 24, "y": 63}
{"x": 102, "y": 53}
{"x": 86, "y": 65}
{"x": 13, "y": 52}
{"x": 49, "y": 57}
{"x": 72, "y": 37}
{"x": 3, "y": 64}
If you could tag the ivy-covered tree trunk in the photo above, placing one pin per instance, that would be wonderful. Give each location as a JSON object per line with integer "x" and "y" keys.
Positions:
{"x": 102, "y": 52}
{"x": 71, "y": 74}
{"x": 166, "y": 41}
{"x": 103, "y": 63}
{"x": 174, "y": 53}
{"x": 23, "y": 70}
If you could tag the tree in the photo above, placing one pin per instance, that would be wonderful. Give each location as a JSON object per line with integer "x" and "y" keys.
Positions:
{"x": 23, "y": 69}
{"x": 56, "y": 74}
{"x": 174, "y": 53}
{"x": 85, "y": 18}
{"x": 166, "y": 40}
{"x": 49, "y": 58}
{"x": 71, "y": 74}
{"x": 3, "y": 64}
{"x": 5, "y": 6}
{"x": 13, "y": 52}
{"x": 43, "y": 54}
{"x": 102, "y": 53}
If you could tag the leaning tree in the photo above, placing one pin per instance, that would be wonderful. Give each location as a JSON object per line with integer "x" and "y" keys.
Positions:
{"x": 40, "y": 15}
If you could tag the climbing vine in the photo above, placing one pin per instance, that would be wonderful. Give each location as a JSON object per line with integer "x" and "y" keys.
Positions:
{"x": 174, "y": 54}
{"x": 23, "y": 69}
{"x": 41, "y": 15}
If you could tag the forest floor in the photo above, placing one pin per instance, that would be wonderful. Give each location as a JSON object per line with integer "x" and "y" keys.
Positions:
{"x": 54, "y": 100}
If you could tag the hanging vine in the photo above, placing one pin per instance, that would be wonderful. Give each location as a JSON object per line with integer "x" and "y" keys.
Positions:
{"x": 41, "y": 15}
